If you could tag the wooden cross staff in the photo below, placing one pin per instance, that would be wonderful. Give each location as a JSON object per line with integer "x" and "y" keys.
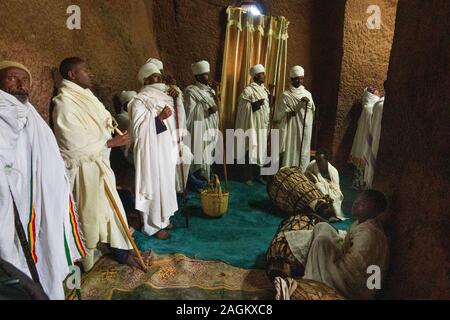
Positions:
{"x": 119, "y": 214}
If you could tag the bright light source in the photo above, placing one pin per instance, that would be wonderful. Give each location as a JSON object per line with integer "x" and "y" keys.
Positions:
{"x": 250, "y": 6}
{"x": 255, "y": 11}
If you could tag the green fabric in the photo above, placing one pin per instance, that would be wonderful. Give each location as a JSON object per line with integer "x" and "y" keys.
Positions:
{"x": 241, "y": 237}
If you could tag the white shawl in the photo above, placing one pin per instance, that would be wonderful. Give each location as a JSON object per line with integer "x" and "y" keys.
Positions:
{"x": 82, "y": 128}
{"x": 199, "y": 98}
{"x": 360, "y": 140}
{"x": 328, "y": 187}
{"x": 155, "y": 157}
{"x": 373, "y": 142}
{"x": 291, "y": 128}
{"x": 32, "y": 174}
{"x": 343, "y": 265}
{"x": 257, "y": 122}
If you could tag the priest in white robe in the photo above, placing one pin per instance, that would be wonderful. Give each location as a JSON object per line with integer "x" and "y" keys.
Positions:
{"x": 253, "y": 113}
{"x": 370, "y": 97}
{"x": 345, "y": 263}
{"x": 202, "y": 119}
{"x": 176, "y": 94}
{"x": 156, "y": 152}
{"x": 295, "y": 129}
{"x": 373, "y": 142}
{"x": 326, "y": 178}
{"x": 83, "y": 129}
{"x": 34, "y": 189}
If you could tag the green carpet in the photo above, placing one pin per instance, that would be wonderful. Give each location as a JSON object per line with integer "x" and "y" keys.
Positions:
{"x": 240, "y": 238}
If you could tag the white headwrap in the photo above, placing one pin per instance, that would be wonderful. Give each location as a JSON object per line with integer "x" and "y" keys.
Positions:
{"x": 257, "y": 69}
{"x": 297, "y": 71}
{"x": 156, "y": 62}
{"x": 147, "y": 70}
{"x": 126, "y": 96}
{"x": 200, "y": 67}
{"x": 12, "y": 64}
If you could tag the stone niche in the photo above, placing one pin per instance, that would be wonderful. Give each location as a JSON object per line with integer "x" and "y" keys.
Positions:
{"x": 365, "y": 61}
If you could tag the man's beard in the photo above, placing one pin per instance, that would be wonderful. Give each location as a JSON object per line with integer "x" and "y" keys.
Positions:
{"x": 21, "y": 95}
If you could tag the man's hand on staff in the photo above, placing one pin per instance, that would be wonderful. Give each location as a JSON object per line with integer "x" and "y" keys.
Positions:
{"x": 173, "y": 92}
{"x": 165, "y": 113}
{"x": 119, "y": 141}
{"x": 305, "y": 100}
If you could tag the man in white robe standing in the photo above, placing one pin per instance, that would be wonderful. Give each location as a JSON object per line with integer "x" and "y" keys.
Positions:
{"x": 370, "y": 97}
{"x": 343, "y": 263}
{"x": 156, "y": 152}
{"x": 295, "y": 130}
{"x": 373, "y": 141}
{"x": 326, "y": 178}
{"x": 202, "y": 119}
{"x": 34, "y": 190}
{"x": 175, "y": 92}
{"x": 83, "y": 129}
{"x": 252, "y": 117}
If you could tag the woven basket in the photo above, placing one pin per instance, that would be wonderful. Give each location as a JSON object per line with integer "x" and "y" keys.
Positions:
{"x": 214, "y": 201}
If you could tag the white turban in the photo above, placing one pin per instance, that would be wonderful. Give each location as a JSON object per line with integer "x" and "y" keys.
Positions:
{"x": 146, "y": 71}
{"x": 297, "y": 71}
{"x": 156, "y": 62}
{"x": 200, "y": 67}
{"x": 126, "y": 96}
{"x": 12, "y": 64}
{"x": 257, "y": 69}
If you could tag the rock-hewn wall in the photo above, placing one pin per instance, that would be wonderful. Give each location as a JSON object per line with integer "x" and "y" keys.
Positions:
{"x": 365, "y": 61}
{"x": 413, "y": 164}
{"x": 115, "y": 38}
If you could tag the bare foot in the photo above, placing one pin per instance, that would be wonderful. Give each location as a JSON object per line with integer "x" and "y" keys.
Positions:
{"x": 162, "y": 235}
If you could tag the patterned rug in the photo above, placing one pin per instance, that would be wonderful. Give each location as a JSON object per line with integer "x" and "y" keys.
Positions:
{"x": 177, "y": 277}
{"x": 173, "y": 277}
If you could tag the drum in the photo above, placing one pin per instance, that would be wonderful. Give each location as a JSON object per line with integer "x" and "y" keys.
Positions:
{"x": 281, "y": 262}
{"x": 293, "y": 193}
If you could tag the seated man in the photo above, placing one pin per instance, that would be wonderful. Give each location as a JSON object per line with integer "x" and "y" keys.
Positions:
{"x": 342, "y": 264}
{"x": 326, "y": 178}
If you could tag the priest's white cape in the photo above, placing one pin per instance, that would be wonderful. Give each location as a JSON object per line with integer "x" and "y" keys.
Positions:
{"x": 343, "y": 265}
{"x": 155, "y": 157}
{"x": 360, "y": 140}
{"x": 201, "y": 126}
{"x": 373, "y": 142}
{"x": 257, "y": 121}
{"x": 82, "y": 127}
{"x": 291, "y": 128}
{"x": 327, "y": 187}
{"x": 32, "y": 174}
